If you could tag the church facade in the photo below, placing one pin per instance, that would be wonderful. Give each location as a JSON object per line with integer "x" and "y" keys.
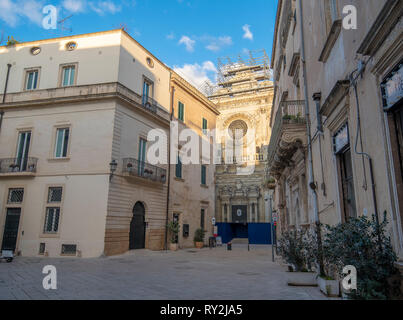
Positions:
{"x": 244, "y": 100}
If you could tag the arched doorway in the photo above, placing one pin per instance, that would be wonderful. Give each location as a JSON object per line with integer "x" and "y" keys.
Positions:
{"x": 138, "y": 228}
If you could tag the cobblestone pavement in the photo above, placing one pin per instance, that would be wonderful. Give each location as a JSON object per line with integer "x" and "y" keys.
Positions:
{"x": 184, "y": 275}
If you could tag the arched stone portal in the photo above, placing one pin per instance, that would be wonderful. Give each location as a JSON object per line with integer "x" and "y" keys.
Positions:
{"x": 138, "y": 227}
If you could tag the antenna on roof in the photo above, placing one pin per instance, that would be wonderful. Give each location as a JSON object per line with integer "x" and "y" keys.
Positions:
{"x": 62, "y": 27}
{"x": 124, "y": 27}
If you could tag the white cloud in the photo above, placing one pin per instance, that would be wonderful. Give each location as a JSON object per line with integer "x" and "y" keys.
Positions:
{"x": 189, "y": 43}
{"x": 12, "y": 11}
{"x": 247, "y": 33}
{"x": 74, "y": 6}
{"x": 197, "y": 74}
{"x": 104, "y": 7}
{"x": 216, "y": 44}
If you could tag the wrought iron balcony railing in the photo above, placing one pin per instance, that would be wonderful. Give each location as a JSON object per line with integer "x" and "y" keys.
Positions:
{"x": 18, "y": 165}
{"x": 289, "y": 112}
{"x": 137, "y": 168}
{"x": 149, "y": 104}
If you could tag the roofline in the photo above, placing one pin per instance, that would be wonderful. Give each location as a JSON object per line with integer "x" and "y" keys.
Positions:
{"x": 86, "y": 35}
{"x": 193, "y": 91}
{"x": 82, "y": 35}
{"x": 121, "y": 31}
{"x": 273, "y": 53}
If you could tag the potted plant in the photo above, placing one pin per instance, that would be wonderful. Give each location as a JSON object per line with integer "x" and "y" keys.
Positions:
{"x": 295, "y": 249}
{"x": 363, "y": 243}
{"x": 173, "y": 228}
{"x": 325, "y": 279}
{"x": 199, "y": 238}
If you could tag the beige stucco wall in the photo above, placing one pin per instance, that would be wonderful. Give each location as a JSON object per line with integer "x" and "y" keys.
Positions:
{"x": 92, "y": 51}
{"x": 83, "y": 175}
{"x": 188, "y": 196}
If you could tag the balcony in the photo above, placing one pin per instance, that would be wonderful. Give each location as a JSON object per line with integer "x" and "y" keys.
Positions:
{"x": 86, "y": 93}
{"x": 135, "y": 168}
{"x": 149, "y": 104}
{"x": 14, "y": 167}
{"x": 288, "y": 134}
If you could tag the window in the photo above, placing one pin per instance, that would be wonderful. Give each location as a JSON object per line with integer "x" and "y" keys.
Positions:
{"x": 341, "y": 141}
{"x": 52, "y": 220}
{"x": 68, "y": 76}
{"x": 35, "y": 51}
{"x": 178, "y": 171}
{"x": 205, "y": 126}
{"x": 331, "y": 13}
{"x": 69, "y": 249}
{"x": 142, "y": 155}
{"x": 203, "y": 175}
{"x": 147, "y": 91}
{"x": 62, "y": 142}
{"x": 52, "y": 217}
{"x": 202, "y": 218}
{"x": 181, "y": 111}
{"x": 31, "y": 80}
{"x": 70, "y": 46}
{"x": 42, "y": 248}
{"x": 24, "y": 140}
{"x": 15, "y": 196}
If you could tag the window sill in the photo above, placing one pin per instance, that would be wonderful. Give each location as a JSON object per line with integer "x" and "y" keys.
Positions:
{"x": 204, "y": 186}
{"x": 331, "y": 40}
{"x": 59, "y": 159}
{"x": 49, "y": 236}
{"x": 179, "y": 179}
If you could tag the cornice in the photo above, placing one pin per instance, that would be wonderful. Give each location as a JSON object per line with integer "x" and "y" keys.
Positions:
{"x": 384, "y": 23}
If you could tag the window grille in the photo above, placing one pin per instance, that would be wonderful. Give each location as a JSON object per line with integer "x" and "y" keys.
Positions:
{"x": 69, "y": 249}
{"x": 55, "y": 194}
{"x": 42, "y": 247}
{"x": 52, "y": 220}
{"x": 15, "y": 196}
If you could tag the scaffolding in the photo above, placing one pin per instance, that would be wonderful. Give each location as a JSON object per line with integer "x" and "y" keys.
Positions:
{"x": 250, "y": 70}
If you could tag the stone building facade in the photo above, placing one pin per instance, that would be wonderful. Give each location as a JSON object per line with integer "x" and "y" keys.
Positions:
{"x": 191, "y": 198}
{"x": 244, "y": 102}
{"x": 346, "y": 141}
{"x": 75, "y": 123}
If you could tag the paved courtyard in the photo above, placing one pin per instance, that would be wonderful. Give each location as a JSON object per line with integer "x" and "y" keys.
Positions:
{"x": 183, "y": 275}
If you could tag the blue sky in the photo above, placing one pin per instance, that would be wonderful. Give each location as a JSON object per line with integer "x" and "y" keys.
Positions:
{"x": 188, "y": 35}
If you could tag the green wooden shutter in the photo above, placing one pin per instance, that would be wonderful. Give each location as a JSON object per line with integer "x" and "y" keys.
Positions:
{"x": 181, "y": 111}
{"x": 203, "y": 175}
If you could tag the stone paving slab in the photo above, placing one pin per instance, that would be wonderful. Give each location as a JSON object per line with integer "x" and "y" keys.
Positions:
{"x": 207, "y": 274}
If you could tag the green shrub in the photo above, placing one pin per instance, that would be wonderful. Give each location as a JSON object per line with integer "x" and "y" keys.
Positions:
{"x": 174, "y": 228}
{"x": 360, "y": 243}
{"x": 199, "y": 235}
{"x": 295, "y": 248}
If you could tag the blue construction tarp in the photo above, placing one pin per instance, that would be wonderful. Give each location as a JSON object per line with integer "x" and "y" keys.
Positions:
{"x": 258, "y": 233}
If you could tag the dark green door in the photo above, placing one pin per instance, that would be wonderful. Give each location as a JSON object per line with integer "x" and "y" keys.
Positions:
{"x": 11, "y": 229}
{"x": 138, "y": 228}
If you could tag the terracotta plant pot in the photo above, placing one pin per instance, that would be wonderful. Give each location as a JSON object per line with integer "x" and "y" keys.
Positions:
{"x": 173, "y": 246}
{"x": 199, "y": 245}
{"x": 303, "y": 279}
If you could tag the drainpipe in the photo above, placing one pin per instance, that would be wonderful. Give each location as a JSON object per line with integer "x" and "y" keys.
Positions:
{"x": 312, "y": 184}
{"x": 169, "y": 168}
{"x": 4, "y": 94}
{"x": 353, "y": 83}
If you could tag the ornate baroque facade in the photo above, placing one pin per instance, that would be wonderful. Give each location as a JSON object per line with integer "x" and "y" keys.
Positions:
{"x": 244, "y": 100}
